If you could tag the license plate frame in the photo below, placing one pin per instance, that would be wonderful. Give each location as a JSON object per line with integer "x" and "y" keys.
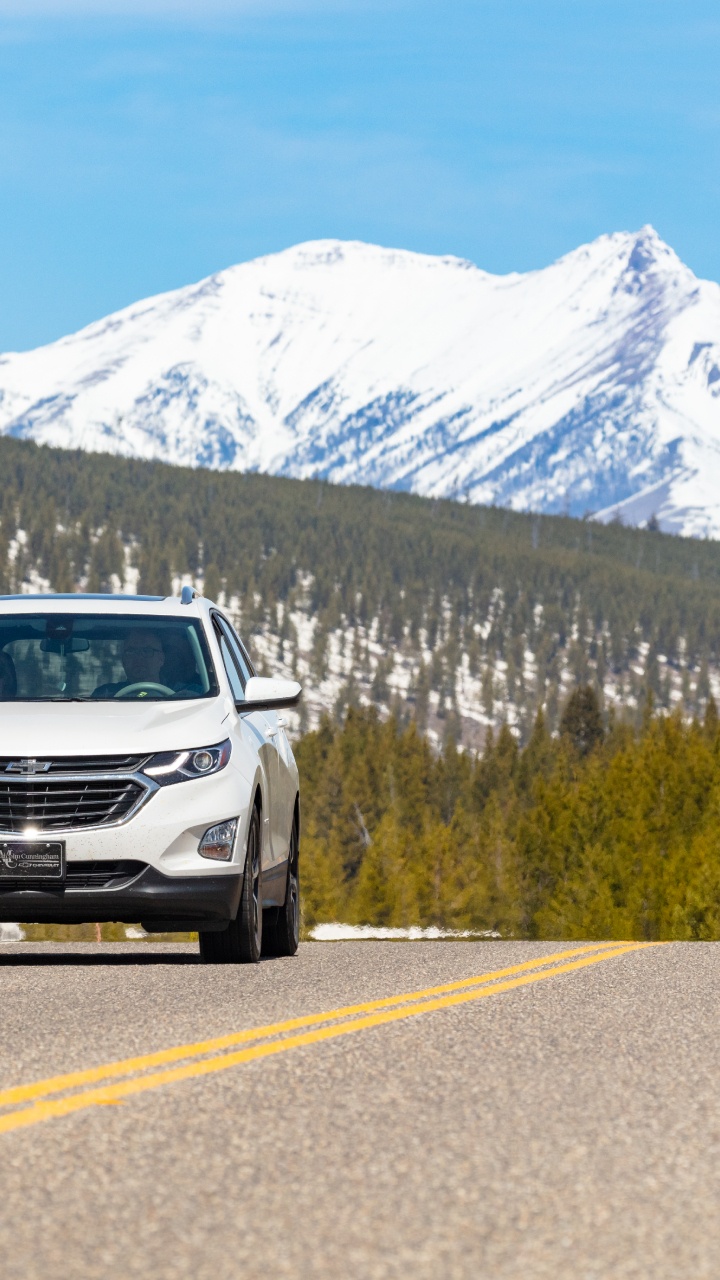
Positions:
{"x": 30, "y": 862}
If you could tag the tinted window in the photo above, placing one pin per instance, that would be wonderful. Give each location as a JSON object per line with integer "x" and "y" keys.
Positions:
{"x": 236, "y": 649}
{"x": 232, "y": 672}
{"x": 54, "y": 657}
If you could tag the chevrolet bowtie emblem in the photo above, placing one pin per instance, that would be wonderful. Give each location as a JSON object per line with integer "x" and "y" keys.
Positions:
{"x": 28, "y": 766}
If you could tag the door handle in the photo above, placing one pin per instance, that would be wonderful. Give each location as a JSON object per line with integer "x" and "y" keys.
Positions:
{"x": 270, "y": 733}
{"x": 282, "y": 722}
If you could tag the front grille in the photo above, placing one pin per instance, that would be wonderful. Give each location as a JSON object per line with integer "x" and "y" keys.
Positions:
{"x": 76, "y": 764}
{"x": 58, "y": 804}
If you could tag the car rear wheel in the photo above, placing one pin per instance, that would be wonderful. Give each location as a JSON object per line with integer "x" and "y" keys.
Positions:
{"x": 241, "y": 942}
{"x": 281, "y": 926}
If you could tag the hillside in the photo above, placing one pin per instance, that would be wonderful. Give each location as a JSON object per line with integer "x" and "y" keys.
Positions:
{"x": 457, "y": 616}
{"x": 590, "y": 386}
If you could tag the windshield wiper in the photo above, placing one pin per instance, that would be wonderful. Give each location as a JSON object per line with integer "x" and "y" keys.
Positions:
{"x": 59, "y": 698}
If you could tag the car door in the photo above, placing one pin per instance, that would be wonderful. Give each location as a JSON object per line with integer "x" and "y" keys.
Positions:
{"x": 284, "y": 803}
{"x": 264, "y": 725}
{"x": 287, "y": 768}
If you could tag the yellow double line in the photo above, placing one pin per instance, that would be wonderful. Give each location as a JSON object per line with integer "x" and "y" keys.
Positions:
{"x": 36, "y": 1102}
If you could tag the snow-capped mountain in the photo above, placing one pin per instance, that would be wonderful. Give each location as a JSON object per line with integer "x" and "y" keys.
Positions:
{"x": 591, "y": 385}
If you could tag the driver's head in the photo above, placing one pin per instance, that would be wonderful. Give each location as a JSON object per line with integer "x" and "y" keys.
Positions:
{"x": 142, "y": 656}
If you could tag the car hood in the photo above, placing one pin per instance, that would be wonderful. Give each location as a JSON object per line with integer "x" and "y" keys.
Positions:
{"x": 44, "y": 730}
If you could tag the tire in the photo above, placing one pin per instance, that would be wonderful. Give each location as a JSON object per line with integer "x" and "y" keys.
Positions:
{"x": 281, "y": 926}
{"x": 241, "y": 942}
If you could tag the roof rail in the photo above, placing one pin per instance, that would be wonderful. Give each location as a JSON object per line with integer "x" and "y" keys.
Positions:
{"x": 188, "y": 594}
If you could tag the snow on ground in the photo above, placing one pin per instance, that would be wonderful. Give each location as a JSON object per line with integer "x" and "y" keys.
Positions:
{"x": 367, "y": 932}
{"x": 11, "y": 933}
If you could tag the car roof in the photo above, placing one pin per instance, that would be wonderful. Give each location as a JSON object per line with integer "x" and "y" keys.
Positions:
{"x": 95, "y": 603}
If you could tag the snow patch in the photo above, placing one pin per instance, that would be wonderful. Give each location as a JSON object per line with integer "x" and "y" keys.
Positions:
{"x": 368, "y": 932}
{"x": 11, "y": 933}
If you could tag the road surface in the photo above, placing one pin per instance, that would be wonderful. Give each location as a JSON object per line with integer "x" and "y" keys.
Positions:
{"x": 364, "y": 1110}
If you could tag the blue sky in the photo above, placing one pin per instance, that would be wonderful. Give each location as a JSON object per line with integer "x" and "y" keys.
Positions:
{"x": 143, "y": 146}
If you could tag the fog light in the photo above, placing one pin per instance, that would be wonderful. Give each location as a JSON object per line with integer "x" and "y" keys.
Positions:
{"x": 218, "y": 841}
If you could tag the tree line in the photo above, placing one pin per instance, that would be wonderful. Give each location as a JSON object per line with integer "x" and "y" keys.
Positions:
{"x": 607, "y": 830}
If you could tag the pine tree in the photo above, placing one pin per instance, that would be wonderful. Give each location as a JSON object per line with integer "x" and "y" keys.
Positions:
{"x": 581, "y": 721}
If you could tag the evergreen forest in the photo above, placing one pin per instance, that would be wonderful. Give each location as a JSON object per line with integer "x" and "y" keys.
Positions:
{"x": 599, "y": 832}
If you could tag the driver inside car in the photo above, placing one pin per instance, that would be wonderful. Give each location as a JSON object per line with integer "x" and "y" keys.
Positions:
{"x": 142, "y": 657}
{"x": 179, "y": 669}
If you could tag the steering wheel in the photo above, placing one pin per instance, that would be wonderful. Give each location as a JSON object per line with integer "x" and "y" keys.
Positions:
{"x": 144, "y": 686}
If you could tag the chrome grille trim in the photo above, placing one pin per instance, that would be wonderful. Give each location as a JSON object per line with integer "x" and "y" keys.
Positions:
{"x": 65, "y": 765}
{"x": 30, "y": 795}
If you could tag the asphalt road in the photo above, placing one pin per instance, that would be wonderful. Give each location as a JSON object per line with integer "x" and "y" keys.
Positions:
{"x": 559, "y": 1121}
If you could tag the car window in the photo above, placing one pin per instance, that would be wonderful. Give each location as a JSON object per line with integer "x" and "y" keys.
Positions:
{"x": 236, "y": 649}
{"x": 240, "y": 654}
{"x": 233, "y": 674}
{"x": 78, "y": 656}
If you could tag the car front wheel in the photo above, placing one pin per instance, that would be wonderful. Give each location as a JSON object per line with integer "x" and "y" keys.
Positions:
{"x": 281, "y": 927}
{"x": 241, "y": 942}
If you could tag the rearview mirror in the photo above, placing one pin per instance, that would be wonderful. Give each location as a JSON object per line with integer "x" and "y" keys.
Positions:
{"x": 262, "y": 694}
{"x": 72, "y": 644}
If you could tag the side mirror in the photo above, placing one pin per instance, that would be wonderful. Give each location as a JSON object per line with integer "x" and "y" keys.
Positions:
{"x": 262, "y": 694}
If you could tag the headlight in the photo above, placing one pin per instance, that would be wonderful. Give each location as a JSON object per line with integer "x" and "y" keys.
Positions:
{"x": 180, "y": 766}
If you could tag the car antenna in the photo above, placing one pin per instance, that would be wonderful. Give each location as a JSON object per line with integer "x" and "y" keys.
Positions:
{"x": 188, "y": 594}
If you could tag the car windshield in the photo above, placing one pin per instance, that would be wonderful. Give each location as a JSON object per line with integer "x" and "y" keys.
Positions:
{"x": 56, "y": 657}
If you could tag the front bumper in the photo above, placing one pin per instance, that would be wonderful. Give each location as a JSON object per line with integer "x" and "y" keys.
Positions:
{"x": 160, "y": 902}
{"x": 168, "y": 886}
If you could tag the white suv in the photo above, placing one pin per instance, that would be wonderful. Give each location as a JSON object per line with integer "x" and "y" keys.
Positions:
{"x": 145, "y": 774}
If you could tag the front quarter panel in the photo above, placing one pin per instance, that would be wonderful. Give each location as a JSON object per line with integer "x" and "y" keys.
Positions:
{"x": 248, "y": 746}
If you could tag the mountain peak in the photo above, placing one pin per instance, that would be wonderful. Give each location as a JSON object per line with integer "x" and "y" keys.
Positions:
{"x": 649, "y": 251}
{"x": 310, "y": 254}
{"x": 572, "y": 388}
